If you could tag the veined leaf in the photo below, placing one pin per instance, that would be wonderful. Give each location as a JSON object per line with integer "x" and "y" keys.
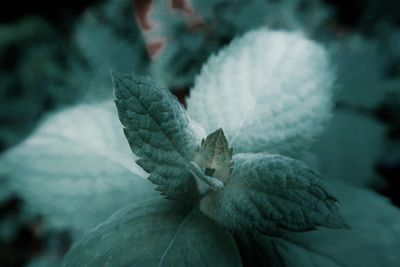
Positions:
{"x": 76, "y": 169}
{"x": 156, "y": 233}
{"x": 269, "y": 90}
{"x": 372, "y": 241}
{"x": 158, "y": 131}
{"x": 267, "y": 193}
{"x": 215, "y": 155}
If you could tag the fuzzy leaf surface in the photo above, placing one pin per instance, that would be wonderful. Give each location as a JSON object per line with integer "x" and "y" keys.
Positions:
{"x": 269, "y": 90}
{"x": 215, "y": 155}
{"x": 158, "y": 131}
{"x": 268, "y": 193}
{"x": 76, "y": 169}
{"x": 372, "y": 241}
{"x": 158, "y": 234}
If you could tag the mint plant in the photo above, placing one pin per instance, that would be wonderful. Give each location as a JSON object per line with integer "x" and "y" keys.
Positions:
{"x": 258, "y": 192}
{"x": 249, "y": 193}
{"x": 229, "y": 166}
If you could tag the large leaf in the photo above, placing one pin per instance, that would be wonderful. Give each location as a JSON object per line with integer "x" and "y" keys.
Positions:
{"x": 156, "y": 233}
{"x": 158, "y": 131}
{"x": 374, "y": 239}
{"x": 268, "y": 90}
{"x": 267, "y": 193}
{"x": 77, "y": 168}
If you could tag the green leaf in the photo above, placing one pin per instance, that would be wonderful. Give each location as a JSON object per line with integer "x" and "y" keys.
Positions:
{"x": 76, "y": 169}
{"x": 156, "y": 233}
{"x": 267, "y": 193}
{"x": 158, "y": 131}
{"x": 372, "y": 241}
{"x": 215, "y": 155}
{"x": 269, "y": 90}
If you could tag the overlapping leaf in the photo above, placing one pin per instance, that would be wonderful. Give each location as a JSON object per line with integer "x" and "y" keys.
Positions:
{"x": 269, "y": 90}
{"x": 156, "y": 233}
{"x": 264, "y": 193}
{"x": 372, "y": 241}
{"x": 268, "y": 193}
{"x": 158, "y": 131}
{"x": 215, "y": 155}
{"x": 76, "y": 169}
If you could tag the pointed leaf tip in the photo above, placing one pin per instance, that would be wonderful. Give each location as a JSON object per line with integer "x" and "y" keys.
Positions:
{"x": 269, "y": 83}
{"x": 159, "y": 132}
{"x": 215, "y": 154}
{"x": 269, "y": 193}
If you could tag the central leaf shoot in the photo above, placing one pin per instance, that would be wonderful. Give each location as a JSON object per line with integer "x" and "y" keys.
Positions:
{"x": 214, "y": 156}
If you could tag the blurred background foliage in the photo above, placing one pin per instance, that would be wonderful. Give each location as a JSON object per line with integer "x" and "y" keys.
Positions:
{"x": 56, "y": 54}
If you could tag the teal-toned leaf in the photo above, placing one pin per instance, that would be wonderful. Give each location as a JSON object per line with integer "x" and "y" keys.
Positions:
{"x": 158, "y": 131}
{"x": 215, "y": 155}
{"x": 269, "y": 90}
{"x": 158, "y": 234}
{"x": 374, "y": 239}
{"x": 76, "y": 169}
{"x": 268, "y": 193}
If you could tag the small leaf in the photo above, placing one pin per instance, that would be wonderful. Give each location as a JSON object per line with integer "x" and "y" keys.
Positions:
{"x": 76, "y": 169}
{"x": 215, "y": 155}
{"x": 158, "y": 131}
{"x": 156, "y": 233}
{"x": 267, "y": 193}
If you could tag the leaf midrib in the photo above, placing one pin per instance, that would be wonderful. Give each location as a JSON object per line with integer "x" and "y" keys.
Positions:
{"x": 171, "y": 243}
{"x": 95, "y": 151}
{"x": 158, "y": 124}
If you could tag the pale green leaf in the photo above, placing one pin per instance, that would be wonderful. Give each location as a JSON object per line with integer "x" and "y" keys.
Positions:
{"x": 372, "y": 241}
{"x": 76, "y": 169}
{"x": 156, "y": 233}
{"x": 158, "y": 131}
{"x": 268, "y": 193}
{"x": 269, "y": 90}
{"x": 215, "y": 156}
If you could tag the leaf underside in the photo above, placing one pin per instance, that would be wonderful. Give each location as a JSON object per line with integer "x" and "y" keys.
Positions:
{"x": 158, "y": 131}
{"x": 268, "y": 193}
{"x": 76, "y": 156}
{"x": 269, "y": 90}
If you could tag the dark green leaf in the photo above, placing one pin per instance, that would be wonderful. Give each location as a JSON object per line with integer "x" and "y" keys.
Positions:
{"x": 372, "y": 241}
{"x": 158, "y": 131}
{"x": 267, "y": 193}
{"x": 155, "y": 233}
